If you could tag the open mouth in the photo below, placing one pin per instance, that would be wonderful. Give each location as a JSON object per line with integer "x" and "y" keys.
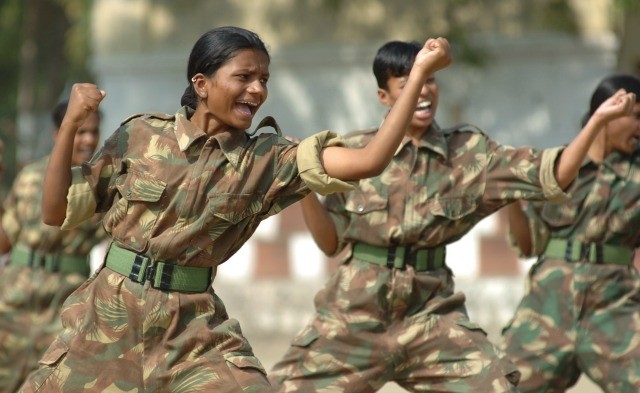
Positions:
{"x": 423, "y": 110}
{"x": 247, "y": 108}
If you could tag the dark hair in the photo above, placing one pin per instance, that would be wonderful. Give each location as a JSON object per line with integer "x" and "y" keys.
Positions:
{"x": 608, "y": 87}
{"x": 212, "y": 50}
{"x": 60, "y": 110}
{"x": 394, "y": 59}
{"x": 58, "y": 113}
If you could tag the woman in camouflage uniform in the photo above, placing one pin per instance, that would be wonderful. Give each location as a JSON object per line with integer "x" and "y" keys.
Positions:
{"x": 581, "y": 310}
{"x": 45, "y": 264}
{"x": 181, "y": 193}
{"x": 390, "y": 313}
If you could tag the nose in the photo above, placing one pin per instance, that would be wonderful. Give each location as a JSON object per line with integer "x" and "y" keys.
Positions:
{"x": 256, "y": 87}
{"x": 424, "y": 92}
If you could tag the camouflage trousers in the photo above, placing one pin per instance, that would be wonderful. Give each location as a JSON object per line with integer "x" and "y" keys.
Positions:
{"x": 30, "y": 303}
{"x": 375, "y": 325}
{"x": 575, "y": 318}
{"x": 122, "y": 336}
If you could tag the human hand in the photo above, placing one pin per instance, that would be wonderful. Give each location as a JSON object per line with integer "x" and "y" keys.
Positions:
{"x": 618, "y": 105}
{"x": 84, "y": 99}
{"x": 434, "y": 55}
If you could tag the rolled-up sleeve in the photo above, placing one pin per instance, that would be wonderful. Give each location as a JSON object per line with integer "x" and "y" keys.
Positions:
{"x": 310, "y": 165}
{"x": 550, "y": 187}
{"x": 81, "y": 202}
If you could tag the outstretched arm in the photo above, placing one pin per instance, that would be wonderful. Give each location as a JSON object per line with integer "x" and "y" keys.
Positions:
{"x": 354, "y": 164}
{"x": 519, "y": 227}
{"x": 5, "y": 244}
{"x": 618, "y": 105}
{"x": 84, "y": 99}
{"x": 320, "y": 224}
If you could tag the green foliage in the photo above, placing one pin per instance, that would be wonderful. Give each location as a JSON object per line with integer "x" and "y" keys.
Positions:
{"x": 627, "y": 4}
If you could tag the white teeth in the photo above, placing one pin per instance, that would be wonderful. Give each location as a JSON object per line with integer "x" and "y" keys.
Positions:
{"x": 423, "y": 105}
{"x": 253, "y": 104}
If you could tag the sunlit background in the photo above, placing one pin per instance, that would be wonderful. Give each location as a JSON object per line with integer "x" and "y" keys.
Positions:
{"x": 523, "y": 72}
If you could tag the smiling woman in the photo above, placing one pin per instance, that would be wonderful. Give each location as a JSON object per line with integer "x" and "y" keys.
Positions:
{"x": 180, "y": 194}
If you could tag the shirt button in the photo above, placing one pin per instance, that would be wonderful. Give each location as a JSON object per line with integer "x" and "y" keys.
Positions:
{"x": 360, "y": 208}
{"x": 128, "y": 193}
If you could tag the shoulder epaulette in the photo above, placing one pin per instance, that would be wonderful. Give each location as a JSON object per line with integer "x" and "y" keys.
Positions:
{"x": 158, "y": 115}
{"x": 464, "y": 127}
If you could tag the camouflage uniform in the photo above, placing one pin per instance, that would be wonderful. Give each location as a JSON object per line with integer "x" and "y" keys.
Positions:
{"x": 375, "y": 324}
{"x": 31, "y": 297}
{"x": 172, "y": 195}
{"x": 578, "y": 316}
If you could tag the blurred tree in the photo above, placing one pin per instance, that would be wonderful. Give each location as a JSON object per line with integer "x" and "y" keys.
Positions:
{"x": 45, "y": 44}
{"x": 628, "y": 30}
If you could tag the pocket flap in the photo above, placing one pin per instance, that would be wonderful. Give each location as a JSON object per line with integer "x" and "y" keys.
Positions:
{"x": 362, "y": 203}
{"x": 245, "y": 361}
{"x": 453, "y": 207}
{"x": 136, "y": 186}
{"x": 55, "y": 353}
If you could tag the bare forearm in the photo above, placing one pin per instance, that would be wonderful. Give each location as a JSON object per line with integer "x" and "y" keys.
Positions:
{"x": 58, "y": 179}
{"x": 519, "y": 227}
{"x": 573, "y": 155}
{"x": 371, "y": 160}
{"x": 320, "y": 224}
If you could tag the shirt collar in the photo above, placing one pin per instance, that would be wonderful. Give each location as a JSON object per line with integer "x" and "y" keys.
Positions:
{"x": 617, "y": 162}
{"x": 433, "y": 139}
{"x": 187, "y": 133}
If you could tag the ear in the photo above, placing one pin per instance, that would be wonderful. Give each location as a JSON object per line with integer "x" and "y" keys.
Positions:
{"x": 199, "y": 85}
{"x": 384, "y": 98}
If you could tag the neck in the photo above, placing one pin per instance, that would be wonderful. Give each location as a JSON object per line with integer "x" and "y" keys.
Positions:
{"x": 416, "y": 133}
{"x": 599, "y": 149}
{"x": 207, "y": 122}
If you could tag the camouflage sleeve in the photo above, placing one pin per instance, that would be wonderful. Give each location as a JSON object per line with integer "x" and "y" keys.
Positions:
{"x": 10, "y": 220}
{"x": 521, "y": 173}
{"x": 93, "y": 184}
{"x": 335, "y": 205}
{"x": 310, "y": 165}
{"x": 537, "y": 228}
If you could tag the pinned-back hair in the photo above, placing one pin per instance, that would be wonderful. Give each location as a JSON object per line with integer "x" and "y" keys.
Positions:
{"x": 394, "y": 59}
{"x": 608, "y": 87}
{"x": 212, "y": 50}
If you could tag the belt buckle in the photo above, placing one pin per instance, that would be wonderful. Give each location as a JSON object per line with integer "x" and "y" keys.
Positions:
{"x": 140, "y": 269}
{"x": 391, "y": 256}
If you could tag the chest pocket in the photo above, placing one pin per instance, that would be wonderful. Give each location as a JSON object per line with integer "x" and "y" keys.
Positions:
{"x": 139, "y": 187}
{"x": 361, "y": 203}
{"x": 454, "y": 207}
{"x": 558, "y": 215}
{"x": 133, "y": 218}
{"x": 234, "y": 207}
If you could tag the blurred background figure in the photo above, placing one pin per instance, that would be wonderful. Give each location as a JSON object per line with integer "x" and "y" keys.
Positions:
{"x": 581, "y": 310}
{"x": 44, "y": 264}
{"x": 544, "y": 52}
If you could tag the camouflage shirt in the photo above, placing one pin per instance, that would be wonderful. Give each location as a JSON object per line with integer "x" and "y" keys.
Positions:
{"x": 604, "y": 206}
{"x": 173, "y": 193}
{"x": 433, "y": 193}
{"x": 22, "y": 220}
